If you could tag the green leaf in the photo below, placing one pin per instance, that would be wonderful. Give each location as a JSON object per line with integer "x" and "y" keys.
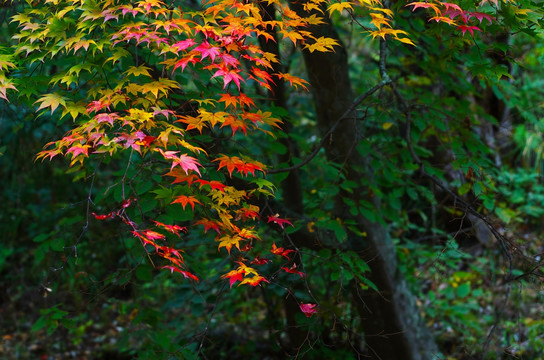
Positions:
{"x": 463, "y": 290}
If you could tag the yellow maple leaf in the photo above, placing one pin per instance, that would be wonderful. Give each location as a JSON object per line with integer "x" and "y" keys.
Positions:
{"x": 340, "y": 7}
{"x": 229, "y": 241}
{"x": 378, "y": 20}
{"x": 322, "y": 44}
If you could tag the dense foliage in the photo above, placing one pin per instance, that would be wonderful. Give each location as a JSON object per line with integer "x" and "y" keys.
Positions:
{"x": 270, "y": 179}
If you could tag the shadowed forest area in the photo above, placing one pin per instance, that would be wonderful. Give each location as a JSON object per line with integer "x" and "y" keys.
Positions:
{"x": 271, "y": 179}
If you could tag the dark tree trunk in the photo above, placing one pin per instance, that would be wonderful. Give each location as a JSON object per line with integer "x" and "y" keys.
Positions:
{"x": 391, "y": 321}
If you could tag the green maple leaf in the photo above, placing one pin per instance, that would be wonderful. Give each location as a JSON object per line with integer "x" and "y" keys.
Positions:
{"x": 51, "y": 101}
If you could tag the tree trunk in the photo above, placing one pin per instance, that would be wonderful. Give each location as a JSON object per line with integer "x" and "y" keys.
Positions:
{"x": 391, "y": 320}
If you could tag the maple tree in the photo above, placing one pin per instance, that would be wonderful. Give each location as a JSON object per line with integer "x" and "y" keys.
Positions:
{"x": 166, "y": 100}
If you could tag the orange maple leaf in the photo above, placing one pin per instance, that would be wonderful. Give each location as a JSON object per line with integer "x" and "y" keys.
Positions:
{"x": 184, "y": 200}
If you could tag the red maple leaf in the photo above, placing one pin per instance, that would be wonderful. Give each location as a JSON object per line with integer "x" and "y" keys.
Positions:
{"x": 279, "y": 221}
{"x": 280, "y": 251}
{"x": 234, "y": 276}
{"x": 153, "y": 235}
{"x": 145, "y": 239}
{"x": 171, "y": 254}
{"x": 78, "y": 149}
{"x": 182, "y": 45}
{"x": 97, "y": 105}
{"x": 260, "y": 261}
{"x": 214, "y": 184}
{"x": 174, "y": 229}
{"x": 308, "y": 309}
{"x": 470, "y": 29}
{"x": 126, "y": 203}
{"x": 228, "y": 75}
{"x": 209, "y": 224}
{"x": 103, "y": 217}
{"x": 187, "y": 274}
{"x": 480, "y": 16}
{"x": 293, "y": 270}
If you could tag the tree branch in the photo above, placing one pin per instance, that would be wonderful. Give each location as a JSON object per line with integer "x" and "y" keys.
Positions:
{"x": 344, "y": 116}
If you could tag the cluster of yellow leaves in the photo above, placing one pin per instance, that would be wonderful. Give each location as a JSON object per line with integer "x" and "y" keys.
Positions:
{"x": 381, "y": 18}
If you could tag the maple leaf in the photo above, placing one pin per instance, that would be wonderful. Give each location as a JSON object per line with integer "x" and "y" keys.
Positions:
{"x": 281, "y": 251}
{"x": 228, "y": 241}
{"x": 153, "y": 235}
{"x": 293, "y": 270}
{"x": 5, "y": 84}
{"x": 261, "y": 74}
{"x": 182, "y": 45}
{"x": 126, "y": 203}
{"x": 144, "y": 239}
{"x": 254, "y": 281}
{"x": 184, "y": 61}
{"x": 340, "y": 7}
{"x": 187, "y": 274}
{"x": 481, "y": 16}
{"x": 209, "y": 224}
{"x": 51, "y": 101}
{"x": 138, "y": 70}
{"x": 424, "y": 5}
{"x": 228, "y": 59}
{"x": 228, "y": 75}
{"x": 235, "y": 123}
{"x": 251, "y": 211}
{"x": 243, "y": 167}
{"x": 443, "y": 19}
{"x": 185, "y": 162}
{"x": 308, "y": 309}
{"x": 233, "y": 101}
{"x": 294, "y": 36}
{"x": 214, "y": 184}
{"x": 470, "y": 29}
{"x": 378, "y": 20}
{"x": 229, "y": 100}
{"x": 181, "y": 176}
{"x": 98, "y": 105}
{"x": 450, "y": 6}
{"x": 192, "y": 122}
{"x": 277, "y": 220}
{"x": 78, "y": 149}
{"x": 184, "y": 200}
{"x": 234, "y": 276}
{"x": 293, "y": 80}
{"x": 260, "y": 261}
{"x": 174, "y": 229}
{"x": 170, "y": 254}
{"x": 205, "y": 50}
{"x": 213, "y": 117}
{"x": 103, "y": 217}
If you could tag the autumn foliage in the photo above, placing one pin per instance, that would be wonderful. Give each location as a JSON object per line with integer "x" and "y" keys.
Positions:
{"x": 135, "y": 79}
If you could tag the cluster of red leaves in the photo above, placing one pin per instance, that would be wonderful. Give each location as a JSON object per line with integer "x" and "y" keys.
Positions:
{"x": 150, "y": 237}
{"x": 451, "y": 14}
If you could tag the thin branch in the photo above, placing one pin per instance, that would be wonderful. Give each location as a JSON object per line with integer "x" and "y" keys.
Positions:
{"x": 325, "y": 137}
{"x": 415, "y": 158}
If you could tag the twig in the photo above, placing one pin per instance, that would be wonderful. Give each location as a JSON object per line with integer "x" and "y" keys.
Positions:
{"x": 344, "y": 116}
